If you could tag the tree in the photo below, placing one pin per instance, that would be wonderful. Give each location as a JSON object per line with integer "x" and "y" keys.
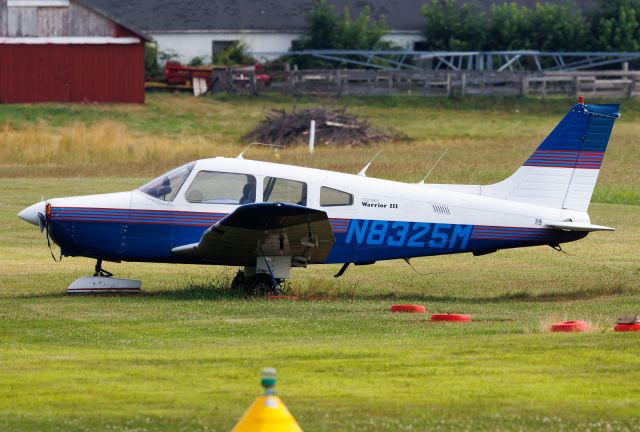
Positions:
{"x": 363, "y": 33}
{"x": 326, "y": 29}
{"x": 614, "y": 26}
{"x": 234, "y": 54}
{"x": 322, "y": 28}
{"x": 451, "y": 27}
{"x": 151, "y": 67}
{"x": 556, "y": 28}
{"x": 509, "y": 28}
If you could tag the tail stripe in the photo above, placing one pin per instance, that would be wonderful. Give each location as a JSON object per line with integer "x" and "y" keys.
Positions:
{"x": 566, "y": 159}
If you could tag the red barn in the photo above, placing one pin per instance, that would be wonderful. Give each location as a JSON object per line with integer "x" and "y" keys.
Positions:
{"x": 68, "y": 51}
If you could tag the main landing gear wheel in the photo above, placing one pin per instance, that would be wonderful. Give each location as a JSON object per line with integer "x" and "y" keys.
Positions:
{"x": 262, "y": 284}
{"x": 239, "y": 283}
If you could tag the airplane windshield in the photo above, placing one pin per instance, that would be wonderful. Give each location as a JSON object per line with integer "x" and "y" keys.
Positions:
{"x": 167, "y": 185}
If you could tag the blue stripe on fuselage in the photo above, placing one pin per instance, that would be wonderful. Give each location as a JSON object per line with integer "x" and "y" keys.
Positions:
{"x": 150, "y": 235}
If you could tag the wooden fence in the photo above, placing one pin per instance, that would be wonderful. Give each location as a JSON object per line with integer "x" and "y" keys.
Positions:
{"x": 605, "y": 84}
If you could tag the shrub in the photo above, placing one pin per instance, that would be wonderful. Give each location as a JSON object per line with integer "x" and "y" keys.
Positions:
{"x": 234, "y": 54}
{"x": 453, "y": 27}
{"x": 613, "y": 25}
{"x": 329, "y": 30}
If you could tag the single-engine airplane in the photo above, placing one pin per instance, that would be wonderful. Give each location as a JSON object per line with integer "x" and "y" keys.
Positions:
{"x": 268, "y": 217}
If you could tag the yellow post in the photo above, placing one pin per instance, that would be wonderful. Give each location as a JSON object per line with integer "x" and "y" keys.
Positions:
{"x": 267, "y": 413}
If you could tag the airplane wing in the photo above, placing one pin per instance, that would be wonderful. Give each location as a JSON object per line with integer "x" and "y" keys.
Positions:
{"x": 578, "y": 226}
{"x": 264, "y": 229}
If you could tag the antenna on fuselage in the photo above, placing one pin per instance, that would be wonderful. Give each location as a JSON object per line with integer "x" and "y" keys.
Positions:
{"x": 363, "y": 171}
{"x": 241, "y": 155}
{"x": 434, "y": 166}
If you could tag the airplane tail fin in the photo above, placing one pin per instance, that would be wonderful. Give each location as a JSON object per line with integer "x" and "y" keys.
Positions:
{"x": 563, "y": 170}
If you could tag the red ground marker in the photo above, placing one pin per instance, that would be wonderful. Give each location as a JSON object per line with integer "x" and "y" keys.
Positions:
{"x": 451, "y": 317}
{"x": 627, "y": 327}
{"x": 570, "y": 326}
{"x": 408, "y": 308}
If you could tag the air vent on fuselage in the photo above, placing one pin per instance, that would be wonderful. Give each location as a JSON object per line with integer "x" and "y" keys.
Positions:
{"x": 442, "y": 209}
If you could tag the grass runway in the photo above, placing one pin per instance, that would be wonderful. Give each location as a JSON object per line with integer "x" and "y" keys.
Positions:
{"x": 186, "y": 354}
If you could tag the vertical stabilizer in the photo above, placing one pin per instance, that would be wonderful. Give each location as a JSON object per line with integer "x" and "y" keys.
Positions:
{"x": 563, "y": 170}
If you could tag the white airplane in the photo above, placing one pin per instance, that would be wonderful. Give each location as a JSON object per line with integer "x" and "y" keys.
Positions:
{"x": 268, "y": 217}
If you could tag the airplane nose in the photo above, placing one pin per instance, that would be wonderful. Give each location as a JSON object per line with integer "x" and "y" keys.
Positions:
{"x": 30, "y": 214}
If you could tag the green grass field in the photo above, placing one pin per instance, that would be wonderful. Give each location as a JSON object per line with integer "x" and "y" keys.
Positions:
{"x": 186, "y": 354}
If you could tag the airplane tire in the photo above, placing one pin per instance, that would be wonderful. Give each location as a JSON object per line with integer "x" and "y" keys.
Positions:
{"x": 239, "y": 283}
{"x": 260, "y": 284}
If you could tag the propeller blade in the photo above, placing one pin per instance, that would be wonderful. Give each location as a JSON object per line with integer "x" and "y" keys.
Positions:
{"x": 42, "y": 221}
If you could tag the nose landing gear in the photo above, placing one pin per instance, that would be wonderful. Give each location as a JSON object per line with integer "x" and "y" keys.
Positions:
{"x": 100, "y": 271}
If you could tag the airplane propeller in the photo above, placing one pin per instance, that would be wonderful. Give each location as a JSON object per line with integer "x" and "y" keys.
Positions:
{"x": 42, "y": 221}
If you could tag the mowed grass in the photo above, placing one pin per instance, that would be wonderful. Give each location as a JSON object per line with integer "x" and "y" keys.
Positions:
{"x": 186, "y": 354}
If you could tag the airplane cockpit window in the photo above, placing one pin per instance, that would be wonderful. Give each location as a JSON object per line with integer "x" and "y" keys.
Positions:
{"x": 282, "y": 190}
{"x": 210, "y": 187}
{"x": 330, "y": 197}
{"x": 167, "y": 185}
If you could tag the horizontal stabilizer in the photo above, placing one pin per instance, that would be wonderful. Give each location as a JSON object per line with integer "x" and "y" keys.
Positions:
{"x": 578, "y": 226}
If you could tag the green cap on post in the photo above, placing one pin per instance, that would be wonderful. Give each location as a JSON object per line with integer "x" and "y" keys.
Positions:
{"x": 268, "y": 380}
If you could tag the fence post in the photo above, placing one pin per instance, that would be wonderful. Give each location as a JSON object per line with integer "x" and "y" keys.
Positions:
{"x": 576, "y": 85}
{"x": 287, "y": 71}
{"x": 524, "y": 85}
{"x": 254, "y": 82}
{"x": 425, "y": 87}
{"x": 631, "y": 79}
{"x": 448, "y": 85}
{"x": 463, "y": 84}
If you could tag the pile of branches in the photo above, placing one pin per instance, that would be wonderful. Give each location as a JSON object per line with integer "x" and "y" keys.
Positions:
{"x": 332, "y": 128}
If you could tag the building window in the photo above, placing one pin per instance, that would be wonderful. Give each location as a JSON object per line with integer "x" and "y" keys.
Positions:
{"x": 282, "y": 190}
{"x": 330, "y": 197}
{"x": 420, "y": 46}
{"x": 211, "y": 187}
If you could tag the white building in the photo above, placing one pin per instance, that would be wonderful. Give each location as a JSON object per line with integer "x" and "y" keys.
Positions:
{"x": 201, "y": 28}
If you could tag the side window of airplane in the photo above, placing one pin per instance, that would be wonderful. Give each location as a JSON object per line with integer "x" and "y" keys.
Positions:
{"x": 210, "y": 187}
{"x": 330, "y": 197}
{"x": 283, "y": 190}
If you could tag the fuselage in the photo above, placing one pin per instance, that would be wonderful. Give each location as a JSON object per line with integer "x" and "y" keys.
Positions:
{"x": 372, "y": 219}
